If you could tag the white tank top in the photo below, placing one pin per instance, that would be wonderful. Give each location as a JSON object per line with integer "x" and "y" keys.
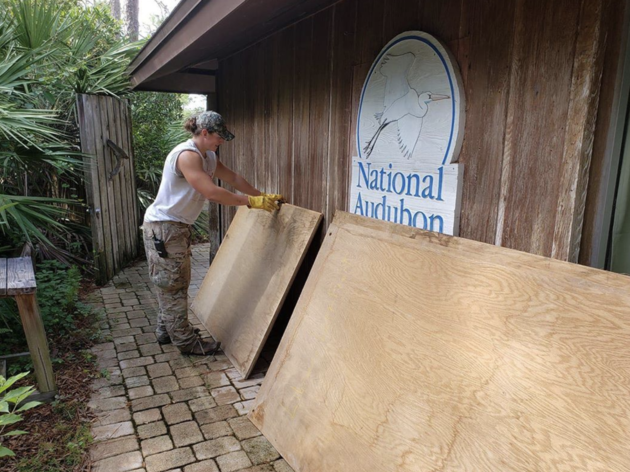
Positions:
{"x": 177, "y": 200}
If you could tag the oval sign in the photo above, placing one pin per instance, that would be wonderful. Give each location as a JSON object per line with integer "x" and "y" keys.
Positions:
{"x": 409, "y": 134}
{"x": 411, "y": 97}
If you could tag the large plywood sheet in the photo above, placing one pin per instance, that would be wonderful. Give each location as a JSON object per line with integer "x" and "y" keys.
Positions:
{"x": 250, "y": 276}
{"x": 412, "y": 351}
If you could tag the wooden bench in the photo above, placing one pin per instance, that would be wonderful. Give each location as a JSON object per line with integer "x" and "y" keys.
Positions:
{"x": 17, "y": 280}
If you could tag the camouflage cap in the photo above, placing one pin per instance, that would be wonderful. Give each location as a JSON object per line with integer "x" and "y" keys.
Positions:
{"x": 214, "y": 123}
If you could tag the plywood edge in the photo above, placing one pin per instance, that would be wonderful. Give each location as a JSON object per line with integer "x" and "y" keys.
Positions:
{"x": 309, "y": 218}
{"x": 318, "y": 219}
{"x": 257, "y": 412}
{"x": 487, "y": 252}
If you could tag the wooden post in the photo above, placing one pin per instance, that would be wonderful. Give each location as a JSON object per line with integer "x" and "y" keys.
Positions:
{"x": 37, "y": 343}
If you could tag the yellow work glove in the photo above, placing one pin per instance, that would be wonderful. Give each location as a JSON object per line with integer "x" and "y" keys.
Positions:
{"x": 275, "y": 196}
{"x": 263, "y": 203}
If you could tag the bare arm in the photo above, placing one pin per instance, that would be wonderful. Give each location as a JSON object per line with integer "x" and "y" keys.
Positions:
{"x": 235, "y": 180}
{"x": 189, "y": 163}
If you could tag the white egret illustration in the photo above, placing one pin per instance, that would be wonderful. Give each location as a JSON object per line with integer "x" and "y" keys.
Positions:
{"x": 402, "y": 104}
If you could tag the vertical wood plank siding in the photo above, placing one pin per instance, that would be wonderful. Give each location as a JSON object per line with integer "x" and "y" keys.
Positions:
{"x": 292, "y": 100}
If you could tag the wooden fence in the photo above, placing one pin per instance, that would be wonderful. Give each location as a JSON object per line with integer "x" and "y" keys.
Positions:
{"x": 105, "y": 126}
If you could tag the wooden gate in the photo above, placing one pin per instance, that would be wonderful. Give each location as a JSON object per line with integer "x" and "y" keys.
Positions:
{"x": 105, "y": 126}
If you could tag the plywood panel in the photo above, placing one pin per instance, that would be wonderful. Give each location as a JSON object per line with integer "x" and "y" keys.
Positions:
{"x": 250, "y": 276}
{"x": 411, "y": 351}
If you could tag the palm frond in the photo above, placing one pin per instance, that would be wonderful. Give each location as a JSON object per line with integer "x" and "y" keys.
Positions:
{"x": 28, "y": 127}
{"x": 34, "y": 216}
{"x": 38, "y": 22}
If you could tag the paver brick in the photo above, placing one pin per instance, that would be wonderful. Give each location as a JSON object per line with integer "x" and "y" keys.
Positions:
{"x": 243, "y": 428}
{"x": 169, "y": 460}
{"x": 123, "y": 356}
{"x": 112, "y": 431}
{"x": 216, "y": 430}
{"x": 180, "y": 362}
{"x": 140, "y": 392}
{"x": 141, "y": 361}
{"x": 156, "y": 445}
{"x": 102, "y": 347}
{"x": 132, "y": 346}
{"x": 225, "y": 395}
{"x": 146, "y": 338}
{"x": 116, "y": 333}
{"x": 134, "y": 382}
{"x": 167, "y": 356}
{"x": 184, "y": 372}
{"x": 216, "y": 447}
{"x": 165, "y": 384}
{"x": 202, "y": 403}
{"x": 260, "y": 450}
{"x": 203, "y": 466}
{"x": 189, "y": 382}
{"x": 147, "y": 416}
{"x": 176, "y": 413}
{"x": 159, "y": 370}
{"x": 282, "y": 466}
{"x": 185, "y": 434}
{"x": 151, "y": 350}
{"x": 114, "y": 447}
{"x": 139, "y": 323}
{"x": 121, "y": 463}
{"x": 189, "y": 394}
{"x": 106, "y": 354}
{"x": 244, "y": 407}
{"x": 112, "y": 416}
{"x": 249, "y": 393}
{"x": 259, "y": 468}
{"x": 110, "y": 391}
{"x": 134, "y": 372}
{"x": 150, "y": 402}
{"x": 151, "y": 430}
{"x": 124, "y": 340}
{"x": 216, "y": 379}
{"x": 103, "y": 363}
{"x": 253, "y": 380}
{"x": 108, "y": 404}
{"x": 220, "y": 365}
{"x": 218, "y": 413}
{"x": 233, "y": 461}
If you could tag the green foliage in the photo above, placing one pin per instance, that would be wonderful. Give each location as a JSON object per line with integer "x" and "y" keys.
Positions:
{"x": 49, "y": 51}
{"x": 57, "y": 458}
{"x": 59, "y": 305}
{"x": 157, "y": 128}
{"x": 11, "y": 404}
{"x": 58, "y": 287}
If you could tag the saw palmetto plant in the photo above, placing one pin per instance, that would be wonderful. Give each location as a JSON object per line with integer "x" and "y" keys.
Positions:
{"x": 49, "y": 51}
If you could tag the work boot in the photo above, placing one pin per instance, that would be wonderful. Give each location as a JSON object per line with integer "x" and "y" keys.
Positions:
{"x": 166, "y": 339}
{"x": 204, "y": 347}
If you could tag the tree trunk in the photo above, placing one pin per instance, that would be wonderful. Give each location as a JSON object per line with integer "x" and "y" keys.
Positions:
{"x": 115, "y": 6}
{"x": 132, "y": 19}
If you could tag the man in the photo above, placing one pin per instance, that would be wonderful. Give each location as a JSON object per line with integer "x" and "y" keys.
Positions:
{"x": 186, "y": 185}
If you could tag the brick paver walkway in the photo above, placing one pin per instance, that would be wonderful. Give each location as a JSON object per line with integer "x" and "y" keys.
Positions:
{"x": 158, "y": 410}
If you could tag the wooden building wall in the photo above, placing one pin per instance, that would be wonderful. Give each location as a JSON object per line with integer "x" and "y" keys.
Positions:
{"x": 531, "y": 70}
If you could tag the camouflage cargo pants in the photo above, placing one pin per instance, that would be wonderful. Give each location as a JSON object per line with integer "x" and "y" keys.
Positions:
{"x": 171, "y": 276}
